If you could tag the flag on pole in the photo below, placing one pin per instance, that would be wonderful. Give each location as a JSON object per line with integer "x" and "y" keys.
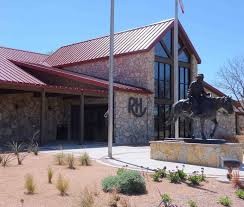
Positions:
{"x": 182, "y": 6}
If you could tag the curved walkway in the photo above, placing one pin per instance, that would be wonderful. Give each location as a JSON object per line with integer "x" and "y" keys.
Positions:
{"x": 137, "y": 158}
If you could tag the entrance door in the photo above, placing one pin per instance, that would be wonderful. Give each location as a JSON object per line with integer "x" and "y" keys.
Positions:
{"x": 95, "y": 123}
{"x": 75, "y": 123}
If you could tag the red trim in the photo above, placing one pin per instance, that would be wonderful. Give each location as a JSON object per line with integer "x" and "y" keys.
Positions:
{"x": 82, "y": 78}
{"x": 50, "y": 87}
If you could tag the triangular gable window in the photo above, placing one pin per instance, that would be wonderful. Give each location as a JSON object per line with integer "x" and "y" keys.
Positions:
{"x": 159, "y": 51}
{"x": 168, "y": 40}
{"x": 184, "y": 56}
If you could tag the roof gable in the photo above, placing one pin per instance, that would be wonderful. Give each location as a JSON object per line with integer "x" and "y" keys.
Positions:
{"x": 21, "y": 55}
{"x": 126, "y": 42}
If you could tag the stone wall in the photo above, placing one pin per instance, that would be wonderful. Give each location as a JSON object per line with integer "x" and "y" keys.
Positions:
{"x": 240, "y": 125}
{"x": 129, "y": 129}
{"x": 20, "y": 116}
{"x": 133, "y": 69}
{"x": 194, "y": 67}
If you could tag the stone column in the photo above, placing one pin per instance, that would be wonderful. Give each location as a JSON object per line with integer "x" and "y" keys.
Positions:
{"x": 43, "y": 117}
{"x": 194, "y": 67}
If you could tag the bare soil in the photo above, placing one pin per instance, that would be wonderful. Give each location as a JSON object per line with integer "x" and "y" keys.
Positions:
{"x": 12, "y": 187}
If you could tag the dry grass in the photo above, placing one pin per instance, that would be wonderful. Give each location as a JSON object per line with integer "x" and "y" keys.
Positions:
{"x": 62, "y": 185}
{"x": 113, "y": 199}
{"x": 85, "y": 159}
{"x": 29, "y": 184}
{"x": 87, "y": 198}
{"x": 50, "y": 174}
{"x": 70, "y": 161}
{"x": 60, "y": 158}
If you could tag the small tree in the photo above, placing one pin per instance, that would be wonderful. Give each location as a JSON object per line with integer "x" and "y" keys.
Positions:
{"x": 231, "y": 79}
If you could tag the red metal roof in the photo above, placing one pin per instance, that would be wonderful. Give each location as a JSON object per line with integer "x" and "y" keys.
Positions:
{"x": 130, "y": 41}
{"x": 81, "y": 78}
{"x": 21, "y": 55}
{"x": 9, "y": 72}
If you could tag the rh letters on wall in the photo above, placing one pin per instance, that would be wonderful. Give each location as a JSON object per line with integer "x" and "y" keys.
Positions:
{"x": 135, "y": 106}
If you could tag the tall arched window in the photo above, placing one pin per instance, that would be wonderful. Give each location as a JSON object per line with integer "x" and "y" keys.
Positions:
{"x": 163, "y": 84}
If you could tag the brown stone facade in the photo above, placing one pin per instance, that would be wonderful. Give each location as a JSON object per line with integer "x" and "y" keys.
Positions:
{"x": 132, "y": 69}
{"x": 20, "y": 116}
{"x": 128, "y": 128}
{"x": 240, "y": 124}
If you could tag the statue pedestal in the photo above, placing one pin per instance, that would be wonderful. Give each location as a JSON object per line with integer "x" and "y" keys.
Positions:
{"x": 209, "y": 155}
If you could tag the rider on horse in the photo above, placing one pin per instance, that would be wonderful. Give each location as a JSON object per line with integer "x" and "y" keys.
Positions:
{"x": 197, "y": 94}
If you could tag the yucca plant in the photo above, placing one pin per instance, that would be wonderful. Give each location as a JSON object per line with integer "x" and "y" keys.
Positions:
{"x": 71, "y": 161}
{"x": 17, "y": 148}
{"x": 50, "y": 174}
{"x": 29, "y": 184}
{"x": 62, "y": 185}
{"x": 60, "y": 158}
{"x": 85, "y": 159}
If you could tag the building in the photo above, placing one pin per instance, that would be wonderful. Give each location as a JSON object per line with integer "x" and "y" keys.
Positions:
{"x": 64, "y": 95}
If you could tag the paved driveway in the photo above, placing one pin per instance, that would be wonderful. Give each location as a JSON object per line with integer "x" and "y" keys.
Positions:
{"x": 132, "y": 157}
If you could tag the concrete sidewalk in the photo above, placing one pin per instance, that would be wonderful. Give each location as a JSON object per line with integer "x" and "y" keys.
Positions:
{"x": 137, "y": 158}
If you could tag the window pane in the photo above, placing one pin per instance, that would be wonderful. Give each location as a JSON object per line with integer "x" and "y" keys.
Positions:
{"x": 156, "y": 88}
{"x": 159, "y": 51}
{"x": 182, "y": 91}
{"x": 186, "y": 76}
{"x": 167, "y": 41}
{"x": 167, "y": 90}
{"x": 184, "y": 57}
{"x": 167, "y": 72}
{"x": 161, "y": 71}
{"x": 156, "y": 70}
{"x": 182, "y": 74}
{"x": 161, "y": 89}
{"x": 156, "y": 120}
{"x": 186, "y": 90}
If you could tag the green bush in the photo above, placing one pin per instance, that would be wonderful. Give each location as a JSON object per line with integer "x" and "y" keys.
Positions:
{"x": 225, "y": 201}
{"x": 174, "y": 177}
{"x": 166, "y": 199}
{"x": 110, "y": 183}
{"x": 192, "y": 203}
{"x": 126, "y": 182}
{"x": 240, "y": 193}
{"x": 195, "y": 179}
{"x": 120, "y": 171}
{"x": 162, "y": 172}
{"x": 182, "y": 174}
{"x": 156, "y": 177}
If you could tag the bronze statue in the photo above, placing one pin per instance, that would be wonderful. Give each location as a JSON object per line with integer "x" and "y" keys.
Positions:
{"x": 198, "y": 105}
{"x": 197, "y": 94}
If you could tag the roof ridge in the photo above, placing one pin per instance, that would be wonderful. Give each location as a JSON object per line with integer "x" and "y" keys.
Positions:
{"x": 96, "y": 38}
{"x": 38, "y": 53}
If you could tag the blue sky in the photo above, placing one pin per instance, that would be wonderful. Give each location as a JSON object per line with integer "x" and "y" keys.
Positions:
{"x": 216, "y": 28}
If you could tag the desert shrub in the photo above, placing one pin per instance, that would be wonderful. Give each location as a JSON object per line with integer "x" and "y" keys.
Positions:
{"x": 30, "y": 184}
{"x": 166, "y": 200}
{"x": 6, "y": 159}
{"x": 87, "y": 199}
{"x": 162, "y": 172}
{"x": 192, "y": 203}
{"x": 113, "y": 200}
{"x": 225, "y": 201}
{"x": 85, "y": 159}
{"x": 236, "y": 181}
{"x": 110, "y": 183}
{"x": 156, "y": 177}
{"x": 174, "y": 177}
{"x": 17, "y": 148}
{"x": 128, "y": 182}
{"x": 62, "y": 185}
{"x": 182, "y": 174}
{"x": 49, "y": 174}
{"x": 120, "y": 171}
{"x": 60, "y": 158}
{"x": 195, "y": 179}
{"x": 240, "y": 193}
{"x": 71, "y": 161}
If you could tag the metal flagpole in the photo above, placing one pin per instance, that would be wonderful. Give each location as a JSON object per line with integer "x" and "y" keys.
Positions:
{"x": 110, "y": 95}
{"x": 176, "y": 70}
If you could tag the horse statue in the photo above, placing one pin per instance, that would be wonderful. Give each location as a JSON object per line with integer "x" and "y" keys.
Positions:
{"x": 209, "y": 108}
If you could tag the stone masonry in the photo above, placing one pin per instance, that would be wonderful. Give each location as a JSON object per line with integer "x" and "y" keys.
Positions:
{"x": 20, "y": 116}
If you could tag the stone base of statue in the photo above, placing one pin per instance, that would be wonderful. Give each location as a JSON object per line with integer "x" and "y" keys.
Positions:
{"x": 209, "y": 153}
